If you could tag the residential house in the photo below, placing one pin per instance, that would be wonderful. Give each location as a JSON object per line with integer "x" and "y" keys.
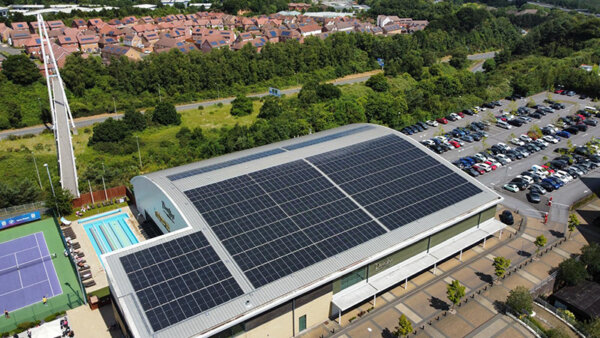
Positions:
{"x": 244, "y": 37}
{"x": 68, "y": 42}
{"x": 94, "y": 23}
{"x": 311, "y": 29}
{"x": 272, "y": 34}
{"x": 213, "y": 42}
{"x": 129, "y": 20}
{"x": 107, "y": 41}
{"x": 88, "y": 43}
{"x": 4, "y": 32}
{"x": 33, "y": 46}
{"x": 149, "y": 39}
{"x": 383, "y": 20}
{"x": 165, "y": 44}
{"x": 146, "y": 19}
{"x": 18, "y": 38}
{"x": 60, "y": 54}
{"x": 79, "y": 24}
{"x": 34, "y": 26}
{"x": 393, "y": 28}
{"x": 295, "y": 6}
{"x": 417, "y": 25}
{"x": 377, "y": 30}
{"x": 289, "y": 34}
{"x": 116, "y": 51}
{"x": 133, "y": 40}
{"x": 19, "y": 26}
{"x": 56, "y": 25}
{"x": 115, "y": 22}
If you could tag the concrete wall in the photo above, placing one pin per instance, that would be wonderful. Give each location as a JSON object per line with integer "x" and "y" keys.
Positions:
{"x": 278, "y": 327}
{"x": 316, "y": 311}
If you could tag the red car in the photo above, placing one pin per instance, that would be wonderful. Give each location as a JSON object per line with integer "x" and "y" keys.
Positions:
{"x": 493, "y": 166}
{"x": 460, "y": 114}
{"x": 548, "y": 169}
{"x": 480, "y": 170}
{"x": 442, "y": 120}
{"x": 559, "y": 91}
{"x": 454, "y": 144}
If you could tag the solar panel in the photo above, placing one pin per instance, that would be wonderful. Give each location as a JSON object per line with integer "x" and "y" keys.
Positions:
{"x": 327, "y": 138}
{"x": 225, "y": 164}
{"x": 280, "y": 220}
{"x": 178, "y": 279}
{"x": 394, "y": 180}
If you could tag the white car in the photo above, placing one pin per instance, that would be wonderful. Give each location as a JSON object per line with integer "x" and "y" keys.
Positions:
{"x": 541, "y": 141}
{"x": 432, "y": 123}
{"x": 504, "y": 157}
{"x": 550, "y": 139}
{"x": 484, "y": 166}
{"x": 511, "y": 187}
{"x": 478, "y": 108}
{"x": 503, "y": 146}
{"x": 459, "y": 141}
{"x": 526, "y": 178}
{"x": 456, "y": 116}
{"x": 538, "y": 170}
{"x": 517, "y": 142}
{"x": 525, "y": 138}
{"x": 564, "y": 175}
{"x": 552, "y": 128}
{"x": 496, "y": 163}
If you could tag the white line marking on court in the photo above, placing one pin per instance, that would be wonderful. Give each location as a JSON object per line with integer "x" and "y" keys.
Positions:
{"x": 15, "y": 252}
{"x": 44, "y": 265}
{"x": 44, "y": 281}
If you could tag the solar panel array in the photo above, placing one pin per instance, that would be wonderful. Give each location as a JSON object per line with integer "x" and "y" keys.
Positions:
{"x": 225, "y": 164}
{"x": 178, "y": 279}
{"x": 327, "y": 138}
{"x": 394, "y": 180}
{"x": 280, "y": 220}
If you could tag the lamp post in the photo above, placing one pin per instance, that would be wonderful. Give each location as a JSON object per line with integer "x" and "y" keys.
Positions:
{"x": 52, "y": 188}
{"x": 104, "y": 184}
{"x": 37, "y": 170}
{"x": 137, "y": 140}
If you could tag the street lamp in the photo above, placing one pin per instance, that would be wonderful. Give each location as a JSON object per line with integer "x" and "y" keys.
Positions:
{"x": 37, "y": 170}
{"x": 50, "y": 179}
{"x": 104, "y": 184}
{"x": 137, "y": 140}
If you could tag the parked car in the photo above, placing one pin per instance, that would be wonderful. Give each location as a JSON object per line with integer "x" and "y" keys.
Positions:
{"x": 503, "y": 124}
{"x": 517, "y": 142}
{"x": 550, "y": 139}
{"x": 442, "y": 120}
{"x": 511, "y": 187}
{"x": 538, "y": 189}
{"x": 564, "y": 133}
{"x": 534, "y": 197}
{"x": 432, "y": 123}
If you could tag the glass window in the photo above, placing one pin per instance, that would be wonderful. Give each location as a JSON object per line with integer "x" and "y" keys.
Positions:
{"x": 302, "y": 323}
{"x": 353, "y": 278}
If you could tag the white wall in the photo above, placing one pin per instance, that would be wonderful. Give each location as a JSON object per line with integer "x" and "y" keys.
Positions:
{"x": 152, "y": 200}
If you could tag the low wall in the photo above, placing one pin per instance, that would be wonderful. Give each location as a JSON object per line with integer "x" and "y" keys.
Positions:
{"x": 99, "y": 196}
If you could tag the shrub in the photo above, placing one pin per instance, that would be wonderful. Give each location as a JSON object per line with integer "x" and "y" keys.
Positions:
{"x": 241, "y": 106}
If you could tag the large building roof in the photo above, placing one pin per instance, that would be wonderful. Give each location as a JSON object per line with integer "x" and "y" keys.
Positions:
{"x": 271, "y": 223}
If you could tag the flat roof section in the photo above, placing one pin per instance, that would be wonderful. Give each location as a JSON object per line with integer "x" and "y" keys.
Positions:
{"x": 296, "y": 219}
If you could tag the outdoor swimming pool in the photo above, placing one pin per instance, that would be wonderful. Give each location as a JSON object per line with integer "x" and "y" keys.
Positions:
{"x": 110, "y": 234}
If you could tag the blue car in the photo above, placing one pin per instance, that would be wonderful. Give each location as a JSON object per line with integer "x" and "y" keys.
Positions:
{"x": 551, "y": 182}
{"x": 564, "y": 134}
{"x": 407, "y": 131}
{"x": 559, "y": 182}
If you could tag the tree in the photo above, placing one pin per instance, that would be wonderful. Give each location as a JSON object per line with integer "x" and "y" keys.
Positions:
{"x": 328, "y": 91}
{"x": 404, "y": 326}
{"x": 166, "y": 114}
{"x": 271, "y": 108}
{"x": 520, "y": 300}
{"x": 590, "y": 257}
{"x": 241, "y": 106}
{"x": 15, "y": 115}
{"x": 111, "y": 131}
{"x": 378, "y": 83}
{"x": 572, "y": 223}
{"x": 134, "y": 120}
{"x": 46, "y": 117}
{"x": 501, "y": 264}
{"x": 572, "y": 271}
{"x": 61, "y": 203}
{"x": 20, "y": 69}
{"x": 455, "y": 292}
{"x": 540, "y": 242}
{"x": 459, "y": 59}
{"x": 489, "y": 65}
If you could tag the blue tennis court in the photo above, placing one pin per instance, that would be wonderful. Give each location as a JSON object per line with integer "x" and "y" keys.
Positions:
{"x": 26, "y": 272}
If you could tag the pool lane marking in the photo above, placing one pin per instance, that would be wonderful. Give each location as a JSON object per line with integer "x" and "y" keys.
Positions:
{"x": 43, "y": 264}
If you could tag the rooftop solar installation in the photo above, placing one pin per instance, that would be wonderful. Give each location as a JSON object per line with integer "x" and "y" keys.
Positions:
{"x": 395, "y": 181}
{"x": 225, "y": 164}
{"x": 179, "y": 279}
{"x": 279, "y": 220}
{"x": 327, "y": 138}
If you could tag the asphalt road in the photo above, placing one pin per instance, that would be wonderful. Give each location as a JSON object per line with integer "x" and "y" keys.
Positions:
{"x": 4, "y": 48}
{"x": 496, "y": 179}
{"x": 541, "y": 4}
{"x": 480, "y": 58}
{"x": 88, "y": 121}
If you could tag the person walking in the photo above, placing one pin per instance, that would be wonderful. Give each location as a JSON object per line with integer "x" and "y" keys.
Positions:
{"x": 28, "y": 333}
{"x": 6, "y": 315}
{"x": 44, "y": 300}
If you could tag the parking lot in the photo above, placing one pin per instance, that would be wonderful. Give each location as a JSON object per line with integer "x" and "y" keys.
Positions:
{"x": 496, "y": 179}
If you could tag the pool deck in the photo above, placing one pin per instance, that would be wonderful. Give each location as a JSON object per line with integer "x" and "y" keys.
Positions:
{"x": 98, "y": 273}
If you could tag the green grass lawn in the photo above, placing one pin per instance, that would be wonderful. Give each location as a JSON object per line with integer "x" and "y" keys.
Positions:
{"x": 72, "y": 296}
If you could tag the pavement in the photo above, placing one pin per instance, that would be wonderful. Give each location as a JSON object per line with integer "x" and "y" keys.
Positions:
{"x": 66, "y": 155}
{"x": 562, "y": 198}
{"x": 91, "y": 120}
{"x": 89, "y": 323}
{"x": 480, "y": 314}
{"x": 6, "y": 49}
{"x": 480, "y": 59}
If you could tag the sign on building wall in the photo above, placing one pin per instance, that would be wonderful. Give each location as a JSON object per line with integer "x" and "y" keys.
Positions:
{"x": 21, "y": 219}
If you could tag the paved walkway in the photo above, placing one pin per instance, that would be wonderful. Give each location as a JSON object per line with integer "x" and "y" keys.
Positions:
{"x": 424, "y": 301}
{"x": 92, "y": 323}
